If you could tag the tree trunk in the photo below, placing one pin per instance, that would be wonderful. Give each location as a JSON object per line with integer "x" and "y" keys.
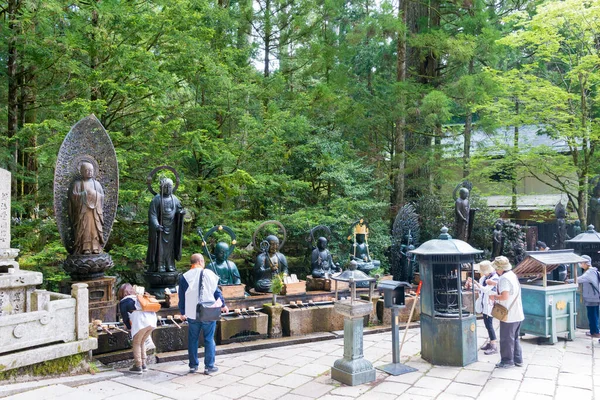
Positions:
{"x": 399, "y": 160}
{"x": 468, "y": 132}
{"x": 94, "y": 90}
{"x": 13, "y": 86}
{"x": 267, "y": 37}
{"x": 513, "y": 166}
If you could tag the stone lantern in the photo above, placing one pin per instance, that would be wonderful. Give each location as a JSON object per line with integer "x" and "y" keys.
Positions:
{"x": 353, "y": 369}
{"x": 448, "y": 328}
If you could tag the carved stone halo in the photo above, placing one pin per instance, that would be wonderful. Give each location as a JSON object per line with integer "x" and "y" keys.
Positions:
{"x": 150, "y": 177}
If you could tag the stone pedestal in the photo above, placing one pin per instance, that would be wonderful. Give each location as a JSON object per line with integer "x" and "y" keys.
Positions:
{"x": 306, "y": 320}
{"x": 317, "y": 284}
{"x": 274, "y": 313}
{"x": 232, "y": 291}
{"x": 353, "y": 369}
{"x": 242, "y": 328}
{"x": 16, "y": 289}
{"x": 102, "y": 300}
{"x": 157, "y": 282}
{"x": 84, "y": 267}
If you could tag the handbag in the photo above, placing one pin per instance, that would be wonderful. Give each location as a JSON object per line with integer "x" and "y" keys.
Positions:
{"x": 500, "y": 312}
{"x": 148, "y": 303}
{"x": 204, "y": 311}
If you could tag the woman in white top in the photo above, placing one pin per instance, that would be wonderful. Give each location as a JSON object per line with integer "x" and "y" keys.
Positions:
{"x": 486, "y": 286}
{"x": 509, "y": 296}
{"x": 141, "y": 323}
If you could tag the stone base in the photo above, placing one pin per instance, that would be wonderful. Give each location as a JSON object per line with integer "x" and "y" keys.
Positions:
{"x": 274, "y": 312}
{"x": 102, "y": 299}
{"x": 353, "y": 373}
{"x": 157, "y": 282}
{"x": 84, "y": 267}
{"x": 170, "y": 338}
{"x": 294, "y": 288}
{"x": 107, "y": 343}
{"x": 318, "y": 284}
{"x": 233, "y": 291}
{"x": 23, "y": 358}
{"x": 16, "y": 289}
{"x": 306, "y": 320}
{"x": 243, "y": 328}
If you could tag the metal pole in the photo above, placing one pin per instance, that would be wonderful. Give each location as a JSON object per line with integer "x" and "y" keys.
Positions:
{"x": 395, "y": 336}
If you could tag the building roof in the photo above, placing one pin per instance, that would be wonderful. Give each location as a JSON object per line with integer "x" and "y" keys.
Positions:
{"x": 535, "y": 261}
{"x": 493, "y": 144}
{"x": 527, "y": 201}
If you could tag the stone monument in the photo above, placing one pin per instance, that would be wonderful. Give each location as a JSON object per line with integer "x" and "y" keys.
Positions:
{"x": 35, "y": 325}
{"x": 86, "y": 187}
{"x": 593, "y": 214}
{"x": 165, "y": 234}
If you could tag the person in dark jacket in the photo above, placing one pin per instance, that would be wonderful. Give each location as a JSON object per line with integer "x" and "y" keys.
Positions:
{"x": 590, "y": 291}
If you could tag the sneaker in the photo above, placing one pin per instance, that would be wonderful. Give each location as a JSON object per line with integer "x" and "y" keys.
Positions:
{"x": 518, "y": 364}
{"x": 594, "y": 335}
{"x": 502, "y": 365}
{"x": 491, "y": 350}
{"x": 210, "y": 370}
{"x": 144, "y": 368}
{"x": 486, "y": 346}
{"x": 136, "y": 370}
{"x": 193, "y": 370}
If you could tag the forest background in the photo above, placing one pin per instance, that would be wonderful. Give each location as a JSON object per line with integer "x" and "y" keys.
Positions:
{"x": 311, "y": 112}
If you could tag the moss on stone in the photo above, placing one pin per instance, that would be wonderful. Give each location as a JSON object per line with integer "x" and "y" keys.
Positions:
{"x": 47, "y": 368}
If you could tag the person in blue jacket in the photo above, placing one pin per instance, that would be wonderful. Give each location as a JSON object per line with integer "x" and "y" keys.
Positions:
{"x": 189, "y": 297}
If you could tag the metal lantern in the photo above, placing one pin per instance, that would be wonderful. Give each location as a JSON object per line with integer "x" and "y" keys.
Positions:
{"x": 448, "y": 329}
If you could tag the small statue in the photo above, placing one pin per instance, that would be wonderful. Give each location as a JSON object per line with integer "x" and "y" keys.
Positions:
{"x": 360, "y": 251}
{"x": 576, "y": 228}
{"x": 86, "y": 212}
{"x": 321, "y": 262}
{"x": 593, "y": 216}
{"x": 270, "y": 261}
{"x": 497, "y": 240}
{"x": 225, "y": 269}
{"x": 408, "y": 260}
{"x": 165, "y": 223}
{"x": 405, "y": 233}
{"x": 561, "y": 213}
{"x": 461, "y": 229}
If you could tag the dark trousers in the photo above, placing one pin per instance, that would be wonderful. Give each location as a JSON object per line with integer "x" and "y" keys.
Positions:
{"x": 489, "y": 325}
{"x": 592, "y": 313}
{"x": 510, "y": 347}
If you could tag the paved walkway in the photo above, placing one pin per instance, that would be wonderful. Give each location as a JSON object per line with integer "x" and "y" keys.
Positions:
{"x": 567, "y": 370}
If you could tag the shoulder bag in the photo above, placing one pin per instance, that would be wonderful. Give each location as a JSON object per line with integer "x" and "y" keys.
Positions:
{"x": 148, "y": 303}
{"x": 204, "y": 311}
{"x": 500, "y": 312}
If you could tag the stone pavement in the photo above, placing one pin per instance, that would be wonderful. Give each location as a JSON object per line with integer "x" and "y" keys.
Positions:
{"x": 566, "y": 370}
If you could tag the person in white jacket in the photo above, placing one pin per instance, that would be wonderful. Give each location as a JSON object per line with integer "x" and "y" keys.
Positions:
{"x": 189, "y": 296}
{"x": 486, "y": 286}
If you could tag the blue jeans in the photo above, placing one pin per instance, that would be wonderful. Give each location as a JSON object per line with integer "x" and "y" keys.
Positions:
{"x": 592, "y": 312}
{"x": 209, "y": 342}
